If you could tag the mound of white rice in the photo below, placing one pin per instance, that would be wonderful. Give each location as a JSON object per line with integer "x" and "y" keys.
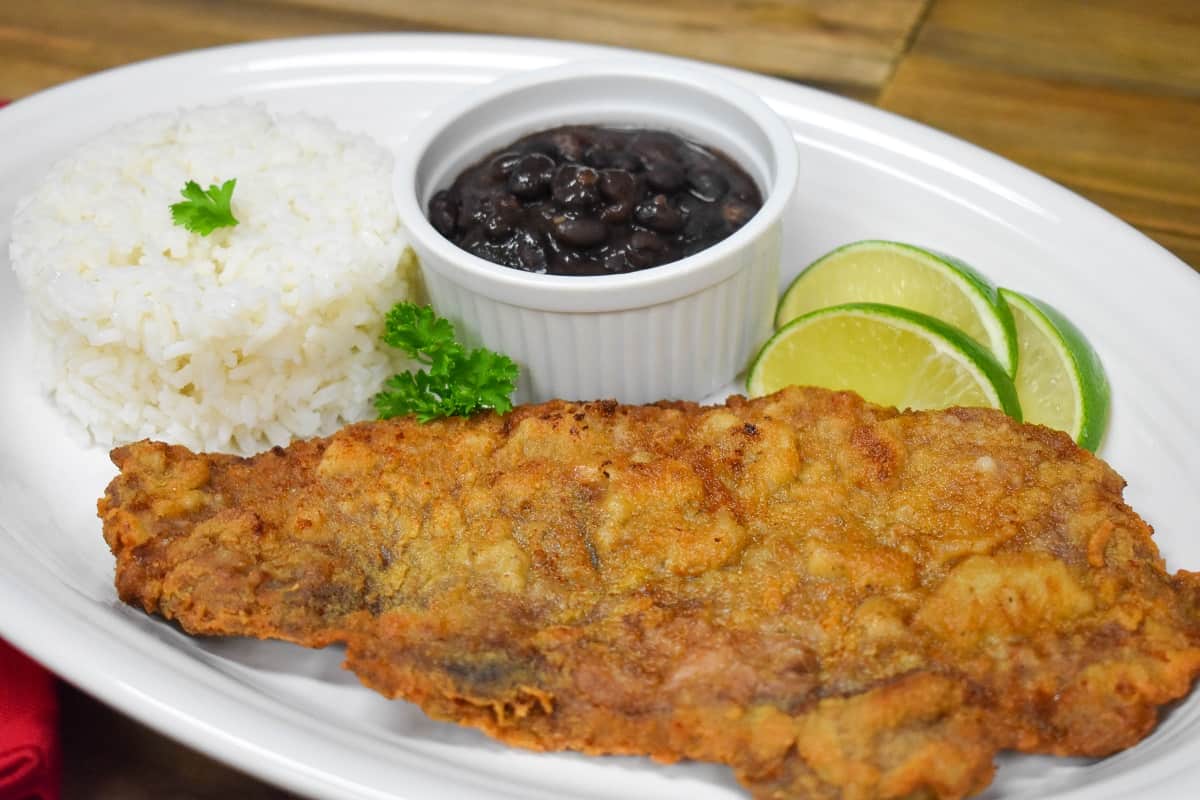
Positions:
{"x": 234, "y": 341}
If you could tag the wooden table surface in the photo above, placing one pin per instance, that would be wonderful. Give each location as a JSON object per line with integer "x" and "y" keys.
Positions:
{"x": 1100, "y": 95}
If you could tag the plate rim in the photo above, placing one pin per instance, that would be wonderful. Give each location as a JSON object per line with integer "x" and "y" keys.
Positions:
{"x": 288, "y": 771}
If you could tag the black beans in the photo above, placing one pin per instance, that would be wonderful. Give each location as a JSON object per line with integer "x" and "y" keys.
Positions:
{"x": 503, "y": 164}
{"x": 584, "y": 232}
{"x": 737, "y": 212}
{"x": 647, "y": 242}
{"x": 616, "y": 213}
{"x": 644, "y": 249}
{"x": 658, "y": 213}
{"x": 620, "y": 189}
{"x": 625, "y": 160}
{"x": 654, "y": 147}
{"x": 586, "y": 200}
{"x": 530, "y": 253}
{"x": 707, "y": 185}
{"x": 618, "y": 186}
{"x": 666, "y": 176}
{"x": 530, "y": 177}
{"x": 443, "y": 211}
{"x": 575, "y": 186}
{"x": 568, "y": 145}
{"x": 505, "y": 215}
{"x": 604, "y": 157}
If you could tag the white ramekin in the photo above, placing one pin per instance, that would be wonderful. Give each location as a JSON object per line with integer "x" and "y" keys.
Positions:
{"x": 681, "y": 330}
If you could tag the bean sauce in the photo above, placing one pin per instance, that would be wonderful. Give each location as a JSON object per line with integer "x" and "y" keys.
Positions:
{"x": 591, "y": 200}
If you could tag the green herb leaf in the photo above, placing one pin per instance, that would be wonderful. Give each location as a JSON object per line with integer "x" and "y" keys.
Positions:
{"x": 484, "y": 378}
{"x": 423, "y": 335}
{"x": 457, "y": 383}
{"x": 203, "y": 211}
{"x": 408, "y": 393}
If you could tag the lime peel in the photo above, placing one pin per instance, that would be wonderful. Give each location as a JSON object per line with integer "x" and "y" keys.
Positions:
{"x": 908, "y": 276}
{"x": 1042, "y": 331}
{"x": 953, "y": 347}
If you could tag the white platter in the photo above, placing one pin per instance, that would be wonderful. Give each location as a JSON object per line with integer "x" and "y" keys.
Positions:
{"x": 292, "y": 716}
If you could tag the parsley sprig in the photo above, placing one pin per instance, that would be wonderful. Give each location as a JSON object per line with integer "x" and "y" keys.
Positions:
{"x": 458, "y": 382}
{"x": 203, "y": 211}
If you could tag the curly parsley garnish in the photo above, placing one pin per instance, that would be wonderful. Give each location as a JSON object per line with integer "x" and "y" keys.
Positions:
{"x": 458, "y": 382}
{"x": 203, "y": 211}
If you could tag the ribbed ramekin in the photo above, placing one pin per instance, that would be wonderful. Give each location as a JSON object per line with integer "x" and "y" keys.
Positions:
{"x": 680, "y": 330}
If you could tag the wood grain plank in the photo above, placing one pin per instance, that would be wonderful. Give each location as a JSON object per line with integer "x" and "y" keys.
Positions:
{"x": 1126, "y": 144}
{"x": 21, "y": 76}
{"x": 840, "y": 42}
{"x": 46, "y": 43}
{"x": 851, "y": 44}
{"x": 1143, "y": 45}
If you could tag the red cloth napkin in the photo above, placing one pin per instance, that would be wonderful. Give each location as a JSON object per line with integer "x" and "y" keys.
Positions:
{"x": 29, "y": 755}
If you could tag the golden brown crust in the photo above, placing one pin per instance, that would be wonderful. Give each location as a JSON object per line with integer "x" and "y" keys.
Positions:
{"x": 835, "y": 599}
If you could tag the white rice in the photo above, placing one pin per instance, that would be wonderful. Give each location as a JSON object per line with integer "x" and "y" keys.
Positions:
{"x": 235, "y": 341}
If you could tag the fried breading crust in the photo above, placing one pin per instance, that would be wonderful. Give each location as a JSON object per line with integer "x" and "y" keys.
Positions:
{"x": 835, "y": 599}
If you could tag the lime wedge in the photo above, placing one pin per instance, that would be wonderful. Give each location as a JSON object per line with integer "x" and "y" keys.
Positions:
{"x": 889, "y": 355}
{"x": 910, "y": 277}
{"x": 1060, "y": 380}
